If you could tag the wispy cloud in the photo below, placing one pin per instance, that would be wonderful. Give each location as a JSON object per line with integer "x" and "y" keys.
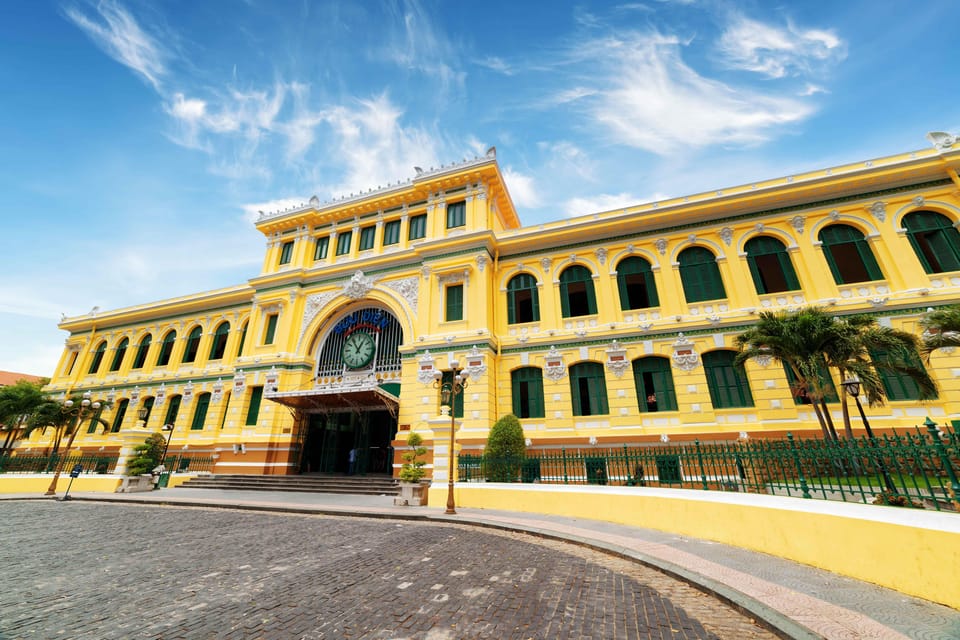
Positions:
{"x": 777, "y": 51}
{"x": 117, "y": 33}
{"x": 523, "y": 189}
{"x": 496, "y": 63}
{"x": 416, "y": 43}
{"x": 580, "y": 206}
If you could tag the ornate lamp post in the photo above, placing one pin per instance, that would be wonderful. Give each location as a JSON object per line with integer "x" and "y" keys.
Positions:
{"x": 852, "y": 386}
{"x": 83, "y": 411}
{"x": 448, "y": 396}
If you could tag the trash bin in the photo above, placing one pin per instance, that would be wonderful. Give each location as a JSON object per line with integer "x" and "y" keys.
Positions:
{"x": 163, "y": 480}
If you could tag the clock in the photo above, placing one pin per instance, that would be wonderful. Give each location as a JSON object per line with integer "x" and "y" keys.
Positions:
{"x": 358, "y": 350}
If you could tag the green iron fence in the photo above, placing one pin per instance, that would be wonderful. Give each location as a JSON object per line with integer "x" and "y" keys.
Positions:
{"x": 916, "y": 468}
{"x": 188, "y": 464}
{"x": 48, "y": 464}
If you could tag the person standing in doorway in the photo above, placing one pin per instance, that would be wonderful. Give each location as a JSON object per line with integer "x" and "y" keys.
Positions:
{"x": 353, "y": 461}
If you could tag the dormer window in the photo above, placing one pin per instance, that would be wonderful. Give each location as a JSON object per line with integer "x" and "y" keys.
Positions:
{"x": 456, "y": 214}
{"x": 286, "y": 252}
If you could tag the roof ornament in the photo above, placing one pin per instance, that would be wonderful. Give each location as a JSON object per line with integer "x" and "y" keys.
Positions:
{"x": 941, "y": 139}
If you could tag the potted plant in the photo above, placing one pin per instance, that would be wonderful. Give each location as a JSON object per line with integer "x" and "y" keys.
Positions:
{"x": 139, "y": 476}
{"x": 412, "y": 473}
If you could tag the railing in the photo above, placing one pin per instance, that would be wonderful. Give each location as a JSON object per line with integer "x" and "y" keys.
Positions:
{"x": 48, "y": 464}
{"x": 188, "y": 464}
{"x": 906, "y": 469}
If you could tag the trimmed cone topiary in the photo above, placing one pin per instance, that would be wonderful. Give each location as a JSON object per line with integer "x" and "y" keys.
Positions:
{"x": 506, "y": 449}
{"x": 148, "y": 455}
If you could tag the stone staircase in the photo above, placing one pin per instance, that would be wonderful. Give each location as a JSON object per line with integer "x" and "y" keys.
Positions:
{"x": 371, "y": 485}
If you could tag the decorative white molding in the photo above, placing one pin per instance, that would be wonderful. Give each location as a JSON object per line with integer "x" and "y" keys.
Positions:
{"x": 358, "y": 286}
{"x": 312, "y": 307}
{"x": 918, "y": 201}
{"x": 482, "y": 260}
{"x": 834, "y": 215}
{"x": 161, "y": 395}
{"x": 217, "y": 393}
{"x": 684, "y": 356}
{"x": 601, "y": 254}
{"x": 408, "y": 288}
{"x": 135, "y": 396}
{"x": 661, "y": 245}
{"x": 545, "y": 265}
{"x": 554, "y": 367}
{"x": 763, "y": 361}
{"x": 879, "y": 210}
{"x": 941, "y": 140}
{"x": 726, "y": 234}
{"x": 476, "y": 363}
{"x": 271, "y": 382}
{"x": 239, "y": 383}
{"x": 617, "y": 360}
{"x": 425, "y": 368}
{"x": 188, "y": 392}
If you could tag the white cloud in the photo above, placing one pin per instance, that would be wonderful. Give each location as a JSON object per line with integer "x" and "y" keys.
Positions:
{"x": 774, "y": 51}
{"x": 595, "y": 204}
{"x": 121, "y": 38}
{"x": 252, "y": 211}
{"x": 495, "y": 63}
{"x": 522, "y": 189}
{"x": 416, "y": 43}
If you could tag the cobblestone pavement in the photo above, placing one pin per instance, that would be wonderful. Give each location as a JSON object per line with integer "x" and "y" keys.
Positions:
{"x": 102, "y": 571}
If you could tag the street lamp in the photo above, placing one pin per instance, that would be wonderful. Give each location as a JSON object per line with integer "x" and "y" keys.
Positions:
{"x": 448, "y": 396}
{"x": 82, "y": 412}
{"x": 852, "y": 386}
{"x": 143, "y": 413}
{"x": 169, "y": 429}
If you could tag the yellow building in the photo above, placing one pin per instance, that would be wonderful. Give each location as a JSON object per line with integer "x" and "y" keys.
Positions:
{"x": 614, "y": 327}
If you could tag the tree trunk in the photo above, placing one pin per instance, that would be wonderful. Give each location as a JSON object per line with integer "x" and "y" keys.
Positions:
{"x": 847, "y": 429}
{"x": 829, "y": 418}
{"x": 823, "y": 424}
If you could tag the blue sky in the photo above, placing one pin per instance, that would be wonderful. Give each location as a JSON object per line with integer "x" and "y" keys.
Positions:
{"x": 139, "y": 139}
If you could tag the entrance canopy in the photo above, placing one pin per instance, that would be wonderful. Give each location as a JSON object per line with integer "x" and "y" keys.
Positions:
{"x": 332, "y": 400}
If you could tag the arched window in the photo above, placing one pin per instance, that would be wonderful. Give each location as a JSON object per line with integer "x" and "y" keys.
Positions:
{"x": 849, "y": 255}
{"x": 934, "y": 239}
{"x": 700, "y": 275}
{"x": 219, "y": 345}
{"x": 898, "y": 386}
{"x": 727, "y": 382}
{"x": 243, "y": 338}
{"x": 577, "y": 297}
{"x": 97, "y": 357}
{"x": 588, "y": 389}
{"x": 119, "y": 354}
{"x": 523, "y": 299}
{"x": 200, "y": 413}
{"x": 654, "y": 383}
{"x": 770, "y": 265}
{"x": 193, "y": 344}
{"x": 636, "y": 285}
{"x": 173, "y": 409}
{"x": 120, "y": 415}
{"x": 527, "y": 386}
{"x": 148, "y": 405}
{"x": 144, "y": 347}
{"x": 166, "y": 348}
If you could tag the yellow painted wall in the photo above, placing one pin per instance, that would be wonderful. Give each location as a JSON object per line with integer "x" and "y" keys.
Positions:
{"x": 38, "y": 484}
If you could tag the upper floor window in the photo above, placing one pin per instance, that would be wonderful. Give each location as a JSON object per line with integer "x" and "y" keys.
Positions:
{"x": 849, "y": 255}
{"x": 97, "y": 357}
{"x": 526, "y": 385}
{"x": 700, "y": 275}
{"x": 219, "y": 346}
{"x": 141, "y": 358}
{"x": 200, "y": 413}
{"x": 770, "y": 265}
{"x": 934, "y": 239}
{"x": 367, "y": 237}
{"x": 391, "y": 233}
{"x": 323, "y": 246}
{"x": 343, "y": 243}
{"x": 588, "y": 389}
{"x": 653, "y": 380}
{"x": 726, "y": 382}
{"x": 71, "y": 362}
{"x": 193, "y": 344}
{"x": 523, "y": 299}
{"x": 456, "y": 214}
{"x": 119, "y": 354}
{"x": 286, "y": 252}
{"x": 577, "y": 297}
{"x": 166, "y": 349}
{"x": 418, "y": 227}
{"x": 636, "y": 285}
{"x": 243, "y": 338}
{"x": 454, "y": 303}
{"x": 271, "y": 331}
{"x": 120, "y": 415}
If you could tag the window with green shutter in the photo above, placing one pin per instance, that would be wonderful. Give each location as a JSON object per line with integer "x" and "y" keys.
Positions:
{"x": 588, "y": 389}
{"x": 368, "y": 236}
{"x": 457, "y": 400}
{"x": 173, "y": 409}
{"x": 166, "y": 349}
{"x": 119, "y": 354}
{"x": 200, "y": 413}
{"x": 418, "y": 227}
{"x": 770, "y": 265}
{"x": 653, "y": 380}
{"x": 286, "y": 252}
{"x": 934, "y": 239}
{"x": 800, "y": 394}
{"x": 253, "y": 409}
{"x": 226, "y": 408}
{"x": 193, "y": 345}
{"x": 243, "y": 338}
{"x": 343, "y": 243}
{"x": 456, "y": 214}
{"x": 120, "y": 415}
{"x": 577, "y": 297}
{"x": 636, "y": 285}
{"x": 454, "y": 303}
{"x": 71, "y": 362}
{"x": 523, "y": 299}
{"x": 526, "y": 385}
{"x": 898, "y": 386}
{"x": 391, "y": 233}
{"x": 97, "y": 357}
{"x": 271, "y": 330}
{"x": 220, "y": 336}
{"x": 727, "y": 383}
{"x": 849, "y": 255}
{"x": 148, "y": 405}
{"x": 141, "y": 358}
{"x": 700, "y": 275}
{"x": 322, "y": 246}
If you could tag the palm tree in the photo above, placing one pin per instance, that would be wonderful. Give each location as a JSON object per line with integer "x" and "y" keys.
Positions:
{"x": 941, "y": 329}
{"x": 63, "y": 419}
{"x": 17, "y": 402}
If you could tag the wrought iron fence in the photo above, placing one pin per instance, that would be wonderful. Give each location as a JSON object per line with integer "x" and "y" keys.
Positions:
{"x": 916, "y": 468}
{"x": 188, "y": 464}
{"x": 48, "y": 464}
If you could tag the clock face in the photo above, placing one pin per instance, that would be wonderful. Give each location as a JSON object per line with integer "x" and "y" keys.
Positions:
{"x": 358, "y": 350}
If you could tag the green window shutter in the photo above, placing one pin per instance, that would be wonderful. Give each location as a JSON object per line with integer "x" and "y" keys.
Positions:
{"x": 253, "y": 410}
{"x": 897, "y": 385}
{"x": 700, "y": 275}
{"x": 220, "y": 336}
{"x": 527, "y": 390}
{"x": 343, "y": 243}
{"x": 869, "y": 260}
{"x": 391, "y": 233}
{"x": 286, "y": 252}
{"x": 577, "y": 297}
{"x": 97, "y": 358}
{"x": 323, "y": 245}
{"x": 454, "y": 303}
{"x": 173, "y": 408}
{"x": 142, "y": 351}
{"x": 652, "y": 377}
{"x": 456, "y": 214}
{"x": 166, "y": 349}
{"x": 72, "y": 362}
{"x": 226, "y": 408}
{"x": 770, "y": 265}
{"x": 119, "y": 354}
{"x": 243, "y": 338}
{"x": 457, "y": 400}
{"x": 121, "y": 414}
{"x": 367, "y": 238}
{"x": 271, "y": 331}
{"x": 588, "y": 389}
{"x": 200, "y": 413}
{"x": 148, "y": 405}
{"x": 193, "y": 344}
{"x": 636, "y": 285}
{"x": 418, "y": 227}
{"x": 849, "y": 255}
{"x": 825, "y": 381}
{"x": 727, "y": 383}
{"x": 934, "y": 239}
{"x": 511, "y": 304}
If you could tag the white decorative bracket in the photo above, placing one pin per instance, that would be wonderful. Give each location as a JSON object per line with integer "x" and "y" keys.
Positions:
{"x": 554, "y": 367}
{"x": 239, "y": 382}
{"x": 425, "y": 368}
{"x": 684, "y": 357}
{"x": 476, "y": 363}
{"x": 617, "y": 359}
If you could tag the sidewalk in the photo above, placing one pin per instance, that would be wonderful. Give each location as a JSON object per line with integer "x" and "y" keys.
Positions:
{"x": 800, "y": 601}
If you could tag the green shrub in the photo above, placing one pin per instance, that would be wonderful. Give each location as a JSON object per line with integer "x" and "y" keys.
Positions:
{"x": 506, "y": 449}
{"x": 412, "y": 469}
{"x": 148, "y": 455}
